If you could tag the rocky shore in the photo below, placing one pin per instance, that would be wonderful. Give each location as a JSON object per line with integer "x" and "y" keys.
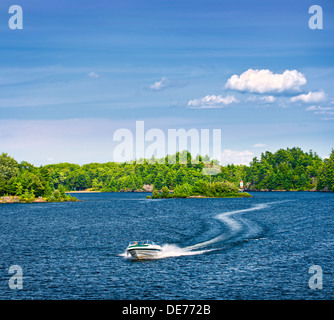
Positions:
{"x": 16, "y": 199}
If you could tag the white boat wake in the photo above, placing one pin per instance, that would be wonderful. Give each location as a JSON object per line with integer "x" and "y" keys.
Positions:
{"x": 233, "y": 225}
{"x": 172, "y": 250}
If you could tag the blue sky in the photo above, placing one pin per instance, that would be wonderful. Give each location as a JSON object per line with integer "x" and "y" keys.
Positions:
{"x": 79, "y": 70}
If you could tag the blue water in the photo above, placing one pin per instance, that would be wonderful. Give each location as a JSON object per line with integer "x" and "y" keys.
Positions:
{"x": 256, "y": 248}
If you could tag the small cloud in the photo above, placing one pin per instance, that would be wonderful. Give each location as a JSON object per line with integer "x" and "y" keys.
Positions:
{"x": 93, "y": 75}
{"x": 310, "y": 97}
{"x": 212, "y": 101}
{"x": 236, "y": 157}
{"x": 259, "y": 145}
{"x": 159, "y": 85}
{"x": 265, "y": 81}
{"x": 320, "y": 109}
{"x": 263, "y": 99}
{"x": 328, "y": 112}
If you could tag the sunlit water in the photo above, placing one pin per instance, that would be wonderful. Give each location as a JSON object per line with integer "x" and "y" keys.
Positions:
{"x": 252, "y": 248}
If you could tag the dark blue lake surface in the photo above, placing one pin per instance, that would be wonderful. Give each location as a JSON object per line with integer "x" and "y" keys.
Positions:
{"x": 256, "y": 248}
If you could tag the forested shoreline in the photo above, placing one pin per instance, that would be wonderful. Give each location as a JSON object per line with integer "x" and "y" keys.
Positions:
{"x": 25, "y": 183}
{"x": 288, "y": 169}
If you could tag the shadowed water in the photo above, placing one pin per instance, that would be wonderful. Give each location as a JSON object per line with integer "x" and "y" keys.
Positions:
{"x": 252, "y": 248}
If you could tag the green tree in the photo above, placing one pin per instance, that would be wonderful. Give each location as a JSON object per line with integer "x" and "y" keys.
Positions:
{"x": 165, "y": 193}
{"x": 18, "y": 188}
{"x": 183, "y": 191}
{"x": 156, "y": 194}
{"x": 9, "y": 169}
{"x": 159, "y": 181}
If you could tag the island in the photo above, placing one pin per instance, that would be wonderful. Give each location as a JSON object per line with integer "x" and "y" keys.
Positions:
{"x": 201, "y": 189}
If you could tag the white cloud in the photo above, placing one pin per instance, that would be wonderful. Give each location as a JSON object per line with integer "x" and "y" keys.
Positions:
{"x": 259, "y": 145}
{"x": 236, "y": 157}
{"x": 310, "y": 97}
{"x": 159, "y": 85}
{"x": 264, "y": 99}
{"x": 321, "y": 110}
{"x": 328, "y": 112}
{"x": 264, "y": 81}
{"x": 93, "y": 75}
{"x": 211, "y": 101}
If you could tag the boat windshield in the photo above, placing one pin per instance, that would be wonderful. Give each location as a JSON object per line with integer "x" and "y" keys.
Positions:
{"x": 142, "y": 242}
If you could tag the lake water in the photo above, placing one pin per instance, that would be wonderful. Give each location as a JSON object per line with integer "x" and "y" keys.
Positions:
{"x": 252, "y": 248}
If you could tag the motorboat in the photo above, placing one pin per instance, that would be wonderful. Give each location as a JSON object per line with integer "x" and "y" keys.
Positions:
{"x": 143, "y": 249}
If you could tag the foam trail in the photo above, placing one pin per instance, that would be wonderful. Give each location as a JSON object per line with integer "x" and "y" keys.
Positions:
{"x": 233, "y": 225}
{"x": 171, "y": 250}
{"x": 124, "y": 255}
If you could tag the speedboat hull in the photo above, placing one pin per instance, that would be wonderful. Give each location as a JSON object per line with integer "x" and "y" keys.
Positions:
{"x": 144, "y": 250}
{"x": 144, "y": 253}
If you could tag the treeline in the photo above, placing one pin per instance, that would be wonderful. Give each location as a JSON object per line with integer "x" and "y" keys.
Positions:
{"x": 28, "y": 182}
{"x": 113, "y": 177}
{"x": 290, "y": 169}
